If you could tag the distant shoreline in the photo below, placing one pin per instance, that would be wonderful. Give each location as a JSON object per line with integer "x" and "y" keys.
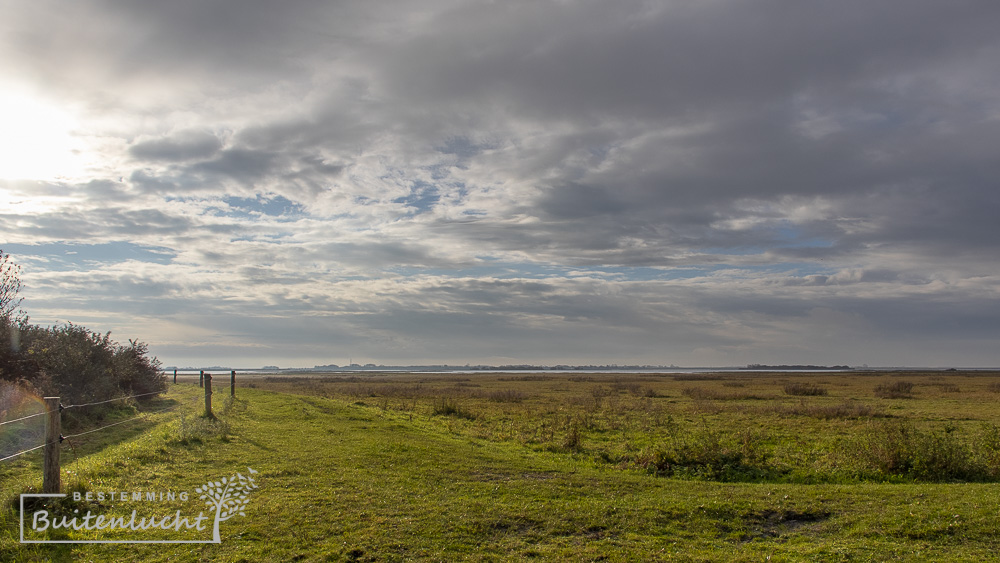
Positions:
{"x": 567, "y": 369}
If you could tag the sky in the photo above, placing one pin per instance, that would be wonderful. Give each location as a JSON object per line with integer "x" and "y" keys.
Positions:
{"x": 689, "y": 182}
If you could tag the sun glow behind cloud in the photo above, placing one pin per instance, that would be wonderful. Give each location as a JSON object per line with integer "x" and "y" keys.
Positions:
{"x": 36, "y": 139}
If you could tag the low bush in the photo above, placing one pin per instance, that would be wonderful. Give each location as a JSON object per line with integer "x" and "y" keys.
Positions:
{"x": 899, "y": 449}
{"x": 804, "y": 389}
{"x": 707, "y": 453}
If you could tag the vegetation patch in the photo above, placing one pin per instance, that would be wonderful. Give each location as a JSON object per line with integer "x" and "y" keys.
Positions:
{"x": 942, "y": 454}
{"x": 841, "y": 410}
{"x": 804, "y": 389}
{"x": 708, "y": 454}
{"x": 446, "y": 406}
{"x": 894, "y": 390}
{"x": 709, "y": 394}
{"x": 506, "y": 396}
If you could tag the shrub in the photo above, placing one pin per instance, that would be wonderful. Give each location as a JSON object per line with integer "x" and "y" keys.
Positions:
{"x": 79, "y": 365}
{"x": 804, "y": 389}
{"x": 894, "y": 390}
{"x": 898, "y": 449}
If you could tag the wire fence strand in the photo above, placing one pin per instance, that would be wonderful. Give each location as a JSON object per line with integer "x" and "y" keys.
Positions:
{"x": 110, "y": 400}
{"x": 122, "y": 421}
{"x": 21, "y": 453}
{"x": 22, "y": 418}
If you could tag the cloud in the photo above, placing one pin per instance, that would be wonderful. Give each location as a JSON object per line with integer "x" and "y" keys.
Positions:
{"x": 721, "y": 182}
{"x": 185, "y": 145}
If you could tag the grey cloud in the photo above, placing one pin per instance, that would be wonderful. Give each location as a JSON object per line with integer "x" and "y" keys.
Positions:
{"x": 580, "y": 202}
{"x": 238, "y": 163}
{"x": 838, "y": 159}
{"x": 186, "y": 145}
{"x": 628, "y": 60}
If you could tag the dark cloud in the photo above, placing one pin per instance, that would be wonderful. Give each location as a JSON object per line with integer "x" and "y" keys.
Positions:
{"x": 244, "y": 165}
{"x": 186, "y": 145}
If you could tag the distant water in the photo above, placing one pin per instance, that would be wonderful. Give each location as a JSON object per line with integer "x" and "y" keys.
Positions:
{"x": 465, "y": 371}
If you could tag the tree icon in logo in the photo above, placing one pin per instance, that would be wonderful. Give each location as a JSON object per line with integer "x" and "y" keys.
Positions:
{"x": 228, "y": 496}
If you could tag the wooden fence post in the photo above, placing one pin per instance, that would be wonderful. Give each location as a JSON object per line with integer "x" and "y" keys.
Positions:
{"x": 201, "y": 379}
{"x": 53, "y": 430}
{"x": 208, "y": 395}
{"x": 232, "y": 383}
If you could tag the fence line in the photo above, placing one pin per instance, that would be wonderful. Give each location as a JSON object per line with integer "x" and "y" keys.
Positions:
{"x": 63, "y": 407}
{"x": 110, "y": 400}
{"x": 61, "y": 438}
{"x": 53, "y": 426}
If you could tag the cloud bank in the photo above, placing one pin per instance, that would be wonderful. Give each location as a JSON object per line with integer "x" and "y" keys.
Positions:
{"x": 698, "y": 183}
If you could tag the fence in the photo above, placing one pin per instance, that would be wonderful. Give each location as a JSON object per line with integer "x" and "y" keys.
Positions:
{"x": 53, "y": 426}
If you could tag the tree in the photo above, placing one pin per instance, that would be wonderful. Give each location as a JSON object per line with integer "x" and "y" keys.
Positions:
{"x": 10, "y": 287}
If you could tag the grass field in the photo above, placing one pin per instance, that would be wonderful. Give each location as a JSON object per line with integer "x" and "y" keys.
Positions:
{"x": 536, "y": 467}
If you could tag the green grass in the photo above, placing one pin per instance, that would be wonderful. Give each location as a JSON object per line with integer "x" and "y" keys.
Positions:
{"x": 541, "y": 468}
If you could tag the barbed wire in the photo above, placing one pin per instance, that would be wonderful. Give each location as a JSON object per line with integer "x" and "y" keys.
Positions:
{"x": 22, "y": 418}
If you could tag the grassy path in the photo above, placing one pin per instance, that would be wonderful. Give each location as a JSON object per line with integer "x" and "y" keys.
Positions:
{"x": 342, "y": 482}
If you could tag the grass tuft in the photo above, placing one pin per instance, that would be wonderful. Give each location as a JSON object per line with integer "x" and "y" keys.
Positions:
{"x": 447, "y": 406}
{"x": 804, "y": 389}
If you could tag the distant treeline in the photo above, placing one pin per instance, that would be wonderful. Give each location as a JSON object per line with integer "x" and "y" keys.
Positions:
{"x": 75, "y": 363}
{"x": 787, "y": 367}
